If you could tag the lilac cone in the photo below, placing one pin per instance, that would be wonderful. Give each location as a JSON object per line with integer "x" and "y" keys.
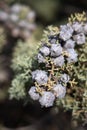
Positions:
{"x": 56, "y": 50}
{"x": 85, "y": 28}
{"x": 59, "y": 61}
{"x": 40, "y": 76}
{"x": 72, "y": 56}
{"x": 3, "y": 16}
{"x": 59, "y": 90}
{"x": 78, "y": 27}
{"x": 33, "y": 94}
{"x": 66, "y": 32}
{"x": 47, "y": 99}
{"x": 16, "y": 8}
{"x": 45, "y": 51}
{"x": 34, "y": 73}
{"x": 40, "y": 58}
{"x": 53, "y": 41}
{"x": 31, "y": 15}
{"x": 65, "y": 78}
{"x": 23, "y": 24}
{"x": 69, "y": 44}
{"x": 13, "y": 18}
{"x": 79, "y": 38}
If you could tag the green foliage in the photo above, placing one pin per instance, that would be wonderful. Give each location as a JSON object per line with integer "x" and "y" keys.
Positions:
{"x": 76, "y": 95}
{"x": 23, "y": 58}
{"x": 18, "y": 88}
